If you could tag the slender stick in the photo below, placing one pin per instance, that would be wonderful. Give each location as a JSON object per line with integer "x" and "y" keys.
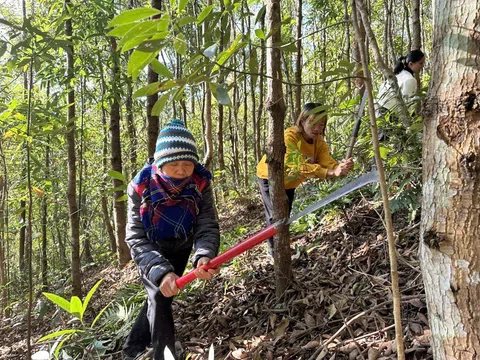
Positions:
{"x": 384, "y": 190}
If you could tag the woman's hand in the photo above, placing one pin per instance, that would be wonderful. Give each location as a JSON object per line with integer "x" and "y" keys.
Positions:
{"x": 342, "y": 169}
{"x": 168, "y": 286}
{"x": 204, "y": 274}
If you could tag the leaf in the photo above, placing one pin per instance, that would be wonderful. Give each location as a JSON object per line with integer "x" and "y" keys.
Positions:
{"x": 120, "y": 30}
{"x": 185, "y": 21}
{"x": 179, "y": 44}
{"x": 100, "y": 314}
{"x": 152, "y": 45}
{"x": 161, "y": 69}
{"x": 253, "y": 65}
{"x": 138, "y": 60}
{"x": 90, "y": 294}
{"x": 281, "y": 328}
{"x": 311, "y": 345}
{"x": 310, "y": 320}
{"x": 130, "y": 16}
{"x": 260, "y": 14}
{"x": 210, "y": 51}
{"x": 160, "y": 104}
{"x": 383, "y": 152}
{"x": 38, "y": 191}
{"x": 58, "y": 300}
{"x": 147, "y": 90}
{"x": 332, "y": 310}
{"x": 181, "y": 5}
{"x": 116, "y": 175}
{"x": 222, "y": 95}
{"x": 122, "y": 198}
{"x": 59, "y": 333}
{"x": 205, "y": 12}
{"x": 76, "y": 308}
{"x": 137, "y": 30}
{"x": 260, "y": 34}
{"x": 240, "y": 354}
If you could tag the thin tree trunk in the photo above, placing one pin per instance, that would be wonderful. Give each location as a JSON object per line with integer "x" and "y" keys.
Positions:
{"x": 288, "y": 88}
{"x": 276, "y": 148}
{"x": 45, "y": 214}
{"x": 132, "y": 133}
{"x": 245, "y": 115}
{"x": 392, "y": 79}
{"x": 208, "y": 114}
{"x": 104, "y": 202}
{"x": 298, "y": 64}
{"x": 260, "y": 99}
{"x": 3, "y": 242}
{"x": 416, "y": 43}
{"x": 450, "y": 226}
{"x": 384, "y": 190}
{"x": 116, "y": 161}
{"x": 72, "y": 167}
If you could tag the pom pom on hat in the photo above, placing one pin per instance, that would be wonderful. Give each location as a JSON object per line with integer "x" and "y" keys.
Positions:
{"x": 175, "y": 143}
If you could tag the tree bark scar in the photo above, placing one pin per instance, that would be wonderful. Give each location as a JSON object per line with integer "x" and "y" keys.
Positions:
{"x": 431, "y": 239}
{"x": 469, "y": 163}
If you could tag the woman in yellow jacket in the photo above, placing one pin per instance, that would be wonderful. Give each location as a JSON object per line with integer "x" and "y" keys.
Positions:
{"x": 306, "y": 138}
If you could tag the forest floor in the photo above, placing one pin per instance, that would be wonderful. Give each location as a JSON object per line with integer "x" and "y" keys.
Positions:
{"x": 339, "y": 306}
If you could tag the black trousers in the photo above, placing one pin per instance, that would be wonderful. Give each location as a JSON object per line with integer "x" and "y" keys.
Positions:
{"x": 268, "y": 207}
{"x": 154, "y": 323}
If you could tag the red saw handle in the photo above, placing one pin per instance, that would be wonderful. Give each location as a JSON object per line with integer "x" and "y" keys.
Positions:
{"x": 229, "y": 254}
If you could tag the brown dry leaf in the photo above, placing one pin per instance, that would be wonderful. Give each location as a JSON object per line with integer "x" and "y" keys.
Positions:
{"x": 417, "y": 329}
{"x": 273, "y": 320}
{"x": 311, "y": 345}
{"x": 417, "y": 303}
{"x": 422, "y": 318}
{"x": 373, "y": 354}
{"x": 280, "y": 330}
{"x": 353, "y": 355}
{"x": 332, "y": 310}
{"x": 310, "y": 320}
{"x": 239, "y": 354}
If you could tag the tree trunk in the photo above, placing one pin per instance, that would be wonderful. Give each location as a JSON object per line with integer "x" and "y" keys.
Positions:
{"x": 72, "y": 167}
{"x": 298, "y": 63}
{"x": 416, "y": 43}
{"x": 245, "y": 115}
{"x": 275, "y": 106}
{"x": 260, "y": 99}
{"x": 153, "y": 126}
{"x": 44, "y": 218}
{"x": 132, "y": 134}
{"x": 116, "y": 161}
{"x": 3, "y": 241}
{"x": 208, "y": 112}
{"x": 104, "y": 202}
{"x": 450, "y": 229}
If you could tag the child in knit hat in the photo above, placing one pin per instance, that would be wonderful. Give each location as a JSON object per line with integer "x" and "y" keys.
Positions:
{"x": 170, "y": 211}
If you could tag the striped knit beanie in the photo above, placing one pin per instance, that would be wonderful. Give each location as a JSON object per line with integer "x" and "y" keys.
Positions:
{"x": 175, "y": 143}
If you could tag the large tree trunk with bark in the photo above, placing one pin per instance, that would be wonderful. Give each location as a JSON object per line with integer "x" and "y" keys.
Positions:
{"x": 72, "y": 166}
{"x": 450, "y": 229}
{"x": 275, "y": 106}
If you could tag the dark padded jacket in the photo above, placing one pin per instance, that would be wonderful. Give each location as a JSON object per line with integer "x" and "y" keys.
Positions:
{"x": 150, "y": 257}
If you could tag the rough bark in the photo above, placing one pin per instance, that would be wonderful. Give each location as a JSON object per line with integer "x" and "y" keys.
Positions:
{"x": 450, "y": 229}
{"x": 72, "y": 167}
{"x": 132, "y": 133}
{"x": 116, "y": 162}
{"x": 275, "y": 106}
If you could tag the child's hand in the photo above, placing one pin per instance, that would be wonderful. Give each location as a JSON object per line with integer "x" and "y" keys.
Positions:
{"x": 168, "y": 286}
{"x": 204, "y": 274}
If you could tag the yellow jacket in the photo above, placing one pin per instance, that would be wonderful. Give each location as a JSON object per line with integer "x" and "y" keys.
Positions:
{"x": 314, "y": 159}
